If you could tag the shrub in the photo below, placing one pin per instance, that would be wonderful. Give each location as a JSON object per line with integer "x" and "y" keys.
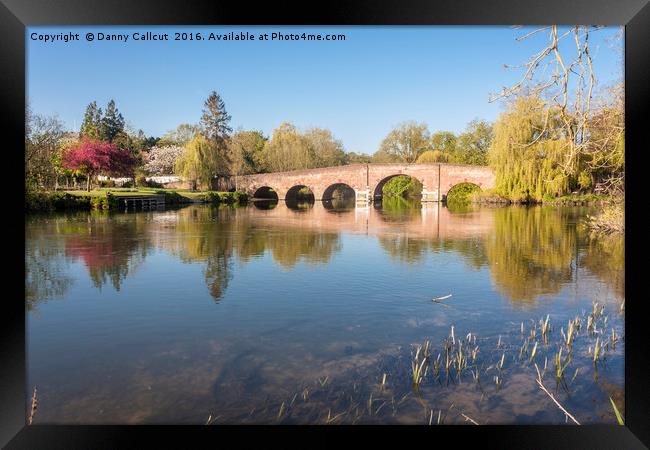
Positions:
{"x": 107, "y": 183}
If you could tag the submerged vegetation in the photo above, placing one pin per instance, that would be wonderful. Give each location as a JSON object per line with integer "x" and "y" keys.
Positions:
{"x": 431, "y": 385}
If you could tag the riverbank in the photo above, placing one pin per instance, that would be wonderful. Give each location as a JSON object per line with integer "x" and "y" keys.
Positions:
{"x": 584, "y": 199}
{"x": 109, "y": 198}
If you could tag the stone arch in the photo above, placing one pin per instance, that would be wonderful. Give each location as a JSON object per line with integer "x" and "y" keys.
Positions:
{"x": 377, "y": 192}
{"x": 297, "y": 197}
{"x": 455, "y": 186}
{"x": 265, "y": 193}
{"x": 329, "y": 192}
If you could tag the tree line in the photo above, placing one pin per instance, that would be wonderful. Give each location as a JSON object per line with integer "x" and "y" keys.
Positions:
{"x": 203, "y": 152}
{"x": 557, "y": 135}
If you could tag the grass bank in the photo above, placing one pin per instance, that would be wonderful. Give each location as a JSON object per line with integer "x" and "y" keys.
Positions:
{"x": 109, "y": 198}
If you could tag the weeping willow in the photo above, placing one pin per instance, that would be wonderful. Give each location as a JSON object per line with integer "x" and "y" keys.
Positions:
{"x": 528, "y": 151}
{"x": 200, "y": 162}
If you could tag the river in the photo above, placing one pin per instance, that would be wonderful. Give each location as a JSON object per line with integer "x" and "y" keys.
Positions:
{"x": 263, "y": 315}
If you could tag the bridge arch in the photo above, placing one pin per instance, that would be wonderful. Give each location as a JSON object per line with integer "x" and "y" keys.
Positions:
{"x": 299, "y": 196}
{"x": 378, "y": 192}
{"x": 463, "y": 188}
{"x": 343, "y": 189}
{"x": 265, "y": 193}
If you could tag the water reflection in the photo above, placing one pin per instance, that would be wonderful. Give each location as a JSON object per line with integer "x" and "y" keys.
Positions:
{"x": 164, "y": 352}
{"x": 111, "y": 246}
{"x": 530, "y": 252}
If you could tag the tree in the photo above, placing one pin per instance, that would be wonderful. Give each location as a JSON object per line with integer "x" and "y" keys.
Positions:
{"x": 200, "y": 162}
{"x": 181, "y": 135}
{"x": 93, "y": 157}
{"x": 446, "y": 143}
{"x": 112, "y": 123}
{"x": 528, "y": 151}
{"x": 43, "y": 135}
{"x": 605, "y": 153}
{"x": 406, "y": 142}
{"x": 566, "y": 85}
{"x": 433, "y": 156}
{"x": 327, "y": 150}
{"x": 215, "y": 120}
{"x": 287, "y": 150}
{"x": 245, "y": 149}
{"x": 357, "y": 158}
{"x": 161, "y": 160}
{"x": 91, "y": 127}
{"x": 473, "y": 144}
{"x": 215, "y": 127}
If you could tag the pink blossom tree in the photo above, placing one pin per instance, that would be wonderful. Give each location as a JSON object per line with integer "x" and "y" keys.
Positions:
{"x": 161, "y": 160}
{"x": 92, "y": 157}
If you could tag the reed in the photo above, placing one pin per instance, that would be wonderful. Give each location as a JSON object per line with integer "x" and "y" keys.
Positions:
{"x": 545, "y": 328}
{"x": 418, "y": 366}
{"x": 34, "y": 405}
{"x": 543, "y": 388}
{"x": 532, "y": 354}
{"x": 559, "y": 367}
{"x": 619, "y": 417}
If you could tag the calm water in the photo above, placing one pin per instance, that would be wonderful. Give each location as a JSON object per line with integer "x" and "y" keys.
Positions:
{"x": 253, "y": 315}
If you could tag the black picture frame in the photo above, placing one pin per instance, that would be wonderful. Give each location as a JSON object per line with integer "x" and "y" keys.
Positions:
{"x": 15, "y": 15}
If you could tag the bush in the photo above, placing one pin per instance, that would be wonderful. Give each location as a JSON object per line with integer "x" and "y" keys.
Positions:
{"x": 62, "y": 201}
{"x": 107, "y": 183}
{"x": 172, "y": 197}
{"x": 55, "y": 201}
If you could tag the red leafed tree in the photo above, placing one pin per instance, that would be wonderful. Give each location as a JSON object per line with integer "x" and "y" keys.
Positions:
{"x": 92, "y": 157}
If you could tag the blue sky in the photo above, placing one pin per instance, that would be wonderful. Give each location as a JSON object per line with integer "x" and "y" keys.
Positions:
{"x": 359, "y": 88}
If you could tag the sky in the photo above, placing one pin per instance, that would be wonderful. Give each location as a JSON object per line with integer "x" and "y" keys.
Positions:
{"x": 360, "y": 88}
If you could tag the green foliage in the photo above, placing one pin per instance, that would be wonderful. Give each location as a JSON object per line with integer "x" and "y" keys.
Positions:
{"x": 527, "y": 152}
{"x": 462, "y": 192}
{"x": 433, "y": 156}
{"x": 404, "y": 144}
{"x": 62, "y": 201}
{"x": 584, "y": 180}
{"x": 91, "y": 127}
{"x": 402, "y": 186}
{"x": 245, "y": 152}
{"x": 112, "y": 122}
{"x": 473, "y": 144}
{"x": 200, "y": 162}
{"x": 288, "y": 149}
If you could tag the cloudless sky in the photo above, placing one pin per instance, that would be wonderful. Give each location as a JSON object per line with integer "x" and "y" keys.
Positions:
{"x": 359, "y": 88}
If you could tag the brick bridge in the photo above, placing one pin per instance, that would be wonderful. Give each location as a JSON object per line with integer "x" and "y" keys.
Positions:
{"x": 367, "y": 180}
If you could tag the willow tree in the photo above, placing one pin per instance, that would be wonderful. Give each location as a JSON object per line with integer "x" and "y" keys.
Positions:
{"x": 200, "y": 162}
{"x": 562, "y": 74}
{"x": 528, "y": 152}
{"x": 288, "y": 149}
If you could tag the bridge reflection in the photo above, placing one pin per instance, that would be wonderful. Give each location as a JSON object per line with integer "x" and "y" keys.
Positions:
{"x": 529, "y": 252}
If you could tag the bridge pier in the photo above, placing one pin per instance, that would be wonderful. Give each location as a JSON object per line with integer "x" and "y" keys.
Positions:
{"x": 430, "y": 196}
{"x": 363, "y": 198}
